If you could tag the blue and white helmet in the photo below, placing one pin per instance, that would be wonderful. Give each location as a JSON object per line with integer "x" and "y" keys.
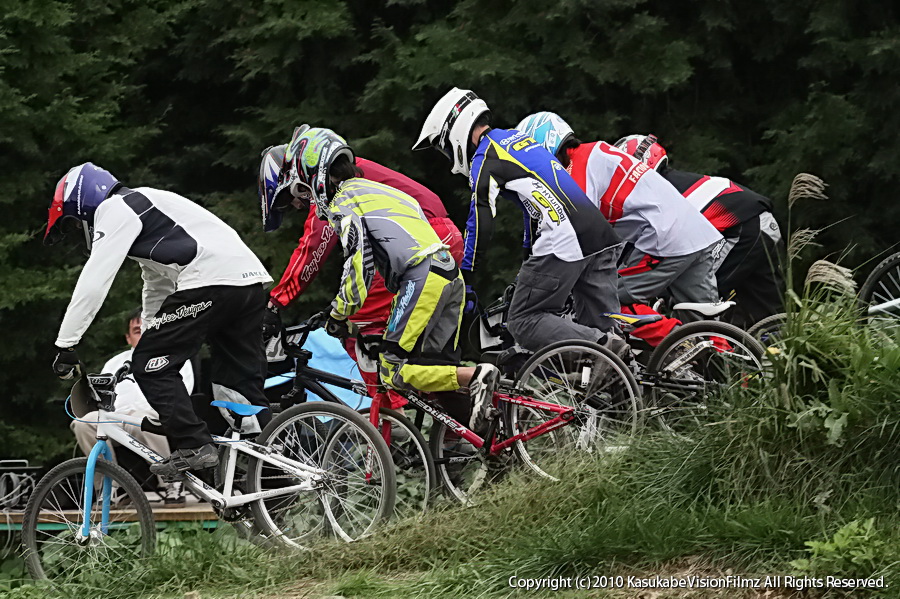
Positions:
{"x": 546, "y": 128}
{"x": 77, "y": 196}
{"x": 268, "y": 182}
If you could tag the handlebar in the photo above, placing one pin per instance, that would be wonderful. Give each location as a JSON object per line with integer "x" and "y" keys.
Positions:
{"x": 107, "y": 382}
{"x": 293, "y": 348}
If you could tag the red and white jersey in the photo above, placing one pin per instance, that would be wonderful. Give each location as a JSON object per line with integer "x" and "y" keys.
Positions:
{"x": 643, "y": 208}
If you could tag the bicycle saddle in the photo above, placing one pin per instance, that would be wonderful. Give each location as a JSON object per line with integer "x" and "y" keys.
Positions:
{"x": 706, "y": 309}
{"x": 241, "y": 409}
{"x": 634, "y": 320}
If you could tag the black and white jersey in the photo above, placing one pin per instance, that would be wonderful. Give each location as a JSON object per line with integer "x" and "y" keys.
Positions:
{"x": 179, "y": 245}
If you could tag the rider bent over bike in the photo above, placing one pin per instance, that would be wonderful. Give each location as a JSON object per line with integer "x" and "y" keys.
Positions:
{"x": 201, "y": 283}
{"x": 572, "y": 248}
{"x": 382, "y": 228}
{"x": 319, "y": 240}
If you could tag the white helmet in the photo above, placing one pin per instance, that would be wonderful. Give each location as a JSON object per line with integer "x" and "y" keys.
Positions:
{"x": 548, "y": 129}
{"x": 448, "y": 127}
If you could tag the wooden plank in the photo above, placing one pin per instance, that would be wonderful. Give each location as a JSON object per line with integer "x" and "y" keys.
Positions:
{"x": 188, "y": 513}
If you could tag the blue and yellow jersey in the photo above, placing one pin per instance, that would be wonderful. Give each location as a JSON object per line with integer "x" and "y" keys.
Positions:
{"x": 565, "y": 222}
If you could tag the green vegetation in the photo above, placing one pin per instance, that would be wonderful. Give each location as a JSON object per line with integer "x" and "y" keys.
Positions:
{"x": 796, "y": 474}
{"x": 183, "y": 94}
{"x": 792, "y": 475}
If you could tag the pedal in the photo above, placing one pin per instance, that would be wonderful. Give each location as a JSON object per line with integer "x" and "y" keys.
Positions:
{"x": 296, "y": 395}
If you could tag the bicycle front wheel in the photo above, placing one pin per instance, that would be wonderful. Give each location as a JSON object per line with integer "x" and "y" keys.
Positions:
{"x": 879, "y": 297}
{"x": 414, "y": 464}
{"x": 360, "y": 486}
{"x": 119, "y": 534}
{"x": 770, "y": 329}
{"x": 696, "y": 364}
{"x": 588, "y": 378}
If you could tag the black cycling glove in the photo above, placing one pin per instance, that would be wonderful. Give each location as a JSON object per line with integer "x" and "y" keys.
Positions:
{"x": 66, "y": 365}
{"x": 340, "y": 328}
{"x": 271, "y": 322}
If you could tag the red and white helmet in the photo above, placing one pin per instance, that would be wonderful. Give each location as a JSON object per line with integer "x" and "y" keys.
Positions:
{"x": 645, "y": 148}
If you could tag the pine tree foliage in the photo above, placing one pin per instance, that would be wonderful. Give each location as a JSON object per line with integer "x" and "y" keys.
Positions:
{"x": 184, "y": 94}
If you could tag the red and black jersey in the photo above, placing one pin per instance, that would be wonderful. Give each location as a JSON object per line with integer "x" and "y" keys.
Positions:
{"x": 723, "y": 202}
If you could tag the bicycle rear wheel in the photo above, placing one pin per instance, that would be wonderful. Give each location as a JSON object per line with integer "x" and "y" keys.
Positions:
{"x": 588, "y": 378}
{"x": 695, "y": 365}
{"x": 54, "y": 545}
{"x": 360, "y": 488}
{"x": 879, "y": 297}
{"x": 414, "y": 464}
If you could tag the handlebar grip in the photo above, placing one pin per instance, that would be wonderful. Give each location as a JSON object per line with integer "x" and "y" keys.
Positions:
{"x": 123, "y": 371}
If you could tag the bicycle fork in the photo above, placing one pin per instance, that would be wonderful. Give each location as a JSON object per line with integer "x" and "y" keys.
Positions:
{"x": 100, "y": 448}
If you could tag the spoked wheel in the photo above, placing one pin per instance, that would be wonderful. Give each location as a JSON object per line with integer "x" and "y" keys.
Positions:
{"x": 416, "y": 472}
{"x": 359, "y": 487}
{"x": 462, "y": 470}
{"x": 696, "y": 365}
{"x": 769, "y": 330}
{"x": 588, "y": 378}
{"x": 121, "y": 530}
{"x": 879, "y": 296}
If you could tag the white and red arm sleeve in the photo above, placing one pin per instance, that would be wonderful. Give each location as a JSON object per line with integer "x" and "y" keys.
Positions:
{"x": 312, "y": 250}
{"x": 116, "y": 226}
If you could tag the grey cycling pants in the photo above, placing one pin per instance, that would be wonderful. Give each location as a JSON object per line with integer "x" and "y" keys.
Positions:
{"x": 689, "y": 278}
{"x": 542, "y": 291}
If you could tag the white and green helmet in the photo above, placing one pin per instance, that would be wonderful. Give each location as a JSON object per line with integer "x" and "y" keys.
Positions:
{"x": 546, "y": 128}
{"x": 307, "y": 159}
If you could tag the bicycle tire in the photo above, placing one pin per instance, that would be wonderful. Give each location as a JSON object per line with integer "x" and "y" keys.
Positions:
{"x": 686, "y": 376}
{"x": 325, "y": 435}
{"x": 768, "y": 330}
{"x": 608, "y": 406}
{"x": 881, "y": 286}
{"x": 57, "y": 554}
{"x": 413, "y": 462}
{"x": 462, "y": 470}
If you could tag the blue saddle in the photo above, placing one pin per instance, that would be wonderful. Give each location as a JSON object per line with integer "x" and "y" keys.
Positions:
{"x": 241, "y": 409}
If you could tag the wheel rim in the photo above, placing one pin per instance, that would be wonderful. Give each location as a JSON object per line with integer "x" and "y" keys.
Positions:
{"x": 348, "y": 503}
{"x": 413, "y": 480}
{"x": 61, "y": 552}
{"x": 701, "y": 367}
{"x": 883, "y": 310}
{"x": 461, "y": 468}
{"x": 607, "y": 408}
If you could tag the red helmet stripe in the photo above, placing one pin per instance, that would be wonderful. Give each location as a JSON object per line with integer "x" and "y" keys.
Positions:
{"x": 56, "y": 207}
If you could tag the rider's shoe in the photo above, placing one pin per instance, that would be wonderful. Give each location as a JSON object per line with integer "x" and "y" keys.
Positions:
{"x": 173, "y": 467}
{"x": 481, "y": 388}
{"x": 618, "y": 346}
{"x": 173, "y": 495}
{"x": 603, "y": 370}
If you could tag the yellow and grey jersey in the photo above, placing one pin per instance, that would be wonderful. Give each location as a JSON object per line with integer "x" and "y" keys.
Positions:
{"x": 380, "y": 228}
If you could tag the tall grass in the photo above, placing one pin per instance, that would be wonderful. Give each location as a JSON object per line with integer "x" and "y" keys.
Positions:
{"x": 794, "y": 472}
